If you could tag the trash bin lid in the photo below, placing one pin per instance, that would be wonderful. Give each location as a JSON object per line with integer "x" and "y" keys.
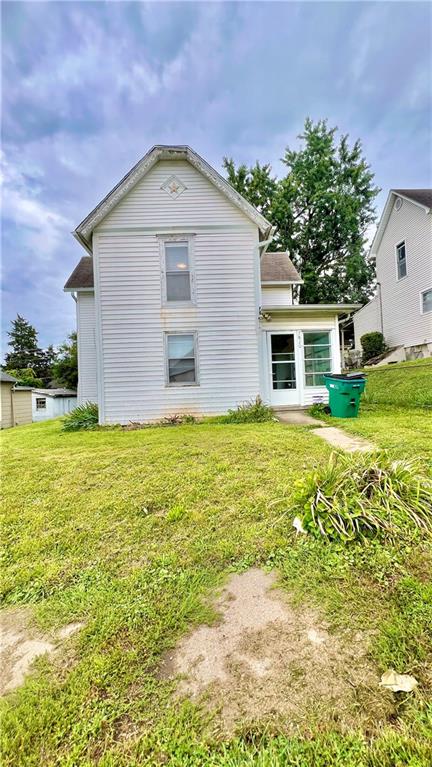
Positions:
{"x": 346, "y": 376}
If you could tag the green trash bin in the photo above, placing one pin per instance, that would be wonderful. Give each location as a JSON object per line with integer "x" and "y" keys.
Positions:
{"x": 344, "y": 393}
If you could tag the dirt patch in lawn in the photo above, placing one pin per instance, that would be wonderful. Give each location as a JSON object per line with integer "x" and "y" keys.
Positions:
{"x": 21, "y": 643}
{"x": 267, "y": 662}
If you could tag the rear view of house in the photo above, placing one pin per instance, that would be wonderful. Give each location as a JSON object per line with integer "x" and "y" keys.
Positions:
{"x": 402, "y": 248}
{"x": 182, "y": 308}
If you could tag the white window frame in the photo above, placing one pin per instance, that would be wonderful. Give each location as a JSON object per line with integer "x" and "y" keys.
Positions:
{"x": 422, "y": 311}
{"x": 398, "y": 244}
{"x": 38, "y": 400}
{"x": 331, "y": 358}
{"x": 172, "y": 385}
{"x": 187, "y": 239}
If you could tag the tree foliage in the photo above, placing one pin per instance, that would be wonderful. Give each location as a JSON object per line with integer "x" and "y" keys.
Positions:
{"x": 26, "y": 377}
{"x": 321, "y": 208}
{"x": 65, "y": 369}
{"x": 26, "y": 353}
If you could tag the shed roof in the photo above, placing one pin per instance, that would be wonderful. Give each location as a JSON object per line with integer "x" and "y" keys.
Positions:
{"x": 82, "y": 275}
{"x": 6, "y": 378}
{"x": 56, "y": 392}
{"x": 278, "y": 267}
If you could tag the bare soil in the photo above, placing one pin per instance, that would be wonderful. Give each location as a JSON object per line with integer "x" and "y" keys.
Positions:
{"x": 21, "y": 643}
{"x": 267, "y": 662}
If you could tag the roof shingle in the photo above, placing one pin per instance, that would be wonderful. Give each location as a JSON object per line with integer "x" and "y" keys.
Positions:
{"x": 422, "y": 196}
{"x": 82, "y": 275}
{"x": 278, "y": 267}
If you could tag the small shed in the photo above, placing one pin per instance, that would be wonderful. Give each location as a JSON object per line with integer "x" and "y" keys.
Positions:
{"x": 15, "y": 402}
{"x": 52, "y": 403}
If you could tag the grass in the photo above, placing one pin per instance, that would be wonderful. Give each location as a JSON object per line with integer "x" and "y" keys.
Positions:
{"x": 129, "y": 532}
{"x": 404, "y": 384}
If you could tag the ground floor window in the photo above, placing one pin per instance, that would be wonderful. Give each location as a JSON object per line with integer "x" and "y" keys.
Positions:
{"x": 40, "y": 403}
{"x": 427, "y": 301}
{"x": 317, "y": 356}
{"x": 181, "y": 359}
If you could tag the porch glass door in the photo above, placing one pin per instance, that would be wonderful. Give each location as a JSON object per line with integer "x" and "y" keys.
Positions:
{"x": 283, "y": 369}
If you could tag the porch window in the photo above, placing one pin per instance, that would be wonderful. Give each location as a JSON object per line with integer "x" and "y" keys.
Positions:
{"x": 181, "y": 359}
{"x": 317, "y": 356}
{"x": 401, "y": 260}
{"x": 177, "y": 271}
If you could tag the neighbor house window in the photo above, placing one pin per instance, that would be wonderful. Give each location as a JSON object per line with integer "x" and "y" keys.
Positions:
{"x": 317, "y": 356}
{"x": 40, "y": 403}
{"x": 181, "y": 359}
{"x": 401, "y": 260}
{"x": 426, "y": 301}
{"x": 177, "y": 271}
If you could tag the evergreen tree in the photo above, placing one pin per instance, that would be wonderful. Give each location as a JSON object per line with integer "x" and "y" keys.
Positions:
{"x": 24, "y": 342}
{"x": 65, "y": 369}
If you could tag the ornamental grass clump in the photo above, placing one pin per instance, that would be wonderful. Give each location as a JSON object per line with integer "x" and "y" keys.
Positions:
{"x": 254, "y": 411}
{"x": 364, "y": 495}
{"x": 82, "y": 417}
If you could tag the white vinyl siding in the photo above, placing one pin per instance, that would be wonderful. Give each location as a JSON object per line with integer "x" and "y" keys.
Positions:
{"x": 404, "y": 324}
{"x": 367, "y": 320}
{"x": 134, "y": 320}
{"x": 276, "y": 297}
{"x": 147, "y": 205}
{"x": 87, "y": 367}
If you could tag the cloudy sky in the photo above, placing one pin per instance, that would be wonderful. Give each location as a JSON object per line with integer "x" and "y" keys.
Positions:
{"x": 88, "y": 87}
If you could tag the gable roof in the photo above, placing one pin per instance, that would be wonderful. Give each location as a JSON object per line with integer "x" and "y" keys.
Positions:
{"x": 84, "y": 230}
{"x": 6, "y": 378}
{"x": 278, "y": 268}
{"x": 420, "y": 197}
{"x": 82, "y": 276}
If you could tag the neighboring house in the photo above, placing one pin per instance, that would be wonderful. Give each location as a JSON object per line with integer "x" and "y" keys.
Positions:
{"x": 51, "y": 403}
{"x": 15, "y": 402}
{"x": 402, "y": 247}
{"x": 181, "y": 308}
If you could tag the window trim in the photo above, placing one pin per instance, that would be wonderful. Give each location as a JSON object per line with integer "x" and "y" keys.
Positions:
{"x": 330, "y": 358}
{"x": 41, "y": 399}
{"x": 172, "y": 385}
{"x": 428, "y": 311}
{"x": 398, "y": 244}
{"x": 172, "y": 239}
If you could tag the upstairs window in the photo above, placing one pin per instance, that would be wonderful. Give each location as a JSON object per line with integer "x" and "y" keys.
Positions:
{"x": 181, "y": 359}
{"x": 401, "y": 260}
{"x": 40, "y": 403}
{"x": 426, "y": 301}
{"x": 177, "y": 271}
{"x": 317, "y": 356}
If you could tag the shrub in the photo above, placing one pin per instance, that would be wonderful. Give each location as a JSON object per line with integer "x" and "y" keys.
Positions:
{"x": 318, "y": 409}
{"x": 373, "y": 344}
{"x": 364, "y": 495}
{"x": 254, "y": 411}
{"x": 82, "y": 417}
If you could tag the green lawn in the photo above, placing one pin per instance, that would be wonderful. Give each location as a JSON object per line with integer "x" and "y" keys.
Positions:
{"x": 129, "y": 532}
{"x": 404, "y": 384}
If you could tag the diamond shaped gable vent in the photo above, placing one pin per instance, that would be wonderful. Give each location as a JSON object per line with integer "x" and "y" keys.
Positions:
{"x": 173, "y": 186}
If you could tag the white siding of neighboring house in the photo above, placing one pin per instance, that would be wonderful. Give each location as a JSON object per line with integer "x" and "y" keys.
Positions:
{"x": 132, "y": 320}
{"x": 54, "y": 406}
{"x": 403, "y": 322}
{"x": 87, "y": 365}
{"x": 367, "y": 320}
{"x": 307, "y": 394}
{"x": 276, "y": 297}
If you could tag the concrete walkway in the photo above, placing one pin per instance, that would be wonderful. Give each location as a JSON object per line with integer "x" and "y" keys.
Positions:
{"x": 338, "y": 438}
{"x": 331, "y": 434}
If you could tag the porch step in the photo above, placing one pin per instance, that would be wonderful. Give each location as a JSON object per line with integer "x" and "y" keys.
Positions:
{"x": 297, "y": 417}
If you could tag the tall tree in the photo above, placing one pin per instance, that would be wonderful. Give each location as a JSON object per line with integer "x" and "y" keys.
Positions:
{"x": 322, "y": 209}
{"x": 26, "y": 353}
{"x": 24, "y": 342}
{"x": 65, "y": 369}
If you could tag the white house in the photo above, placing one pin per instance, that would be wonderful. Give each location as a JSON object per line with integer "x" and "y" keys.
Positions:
{"x": 402, "y": 247}
{"x": 181, "y": 308}
{"x": 52, "y": 403}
